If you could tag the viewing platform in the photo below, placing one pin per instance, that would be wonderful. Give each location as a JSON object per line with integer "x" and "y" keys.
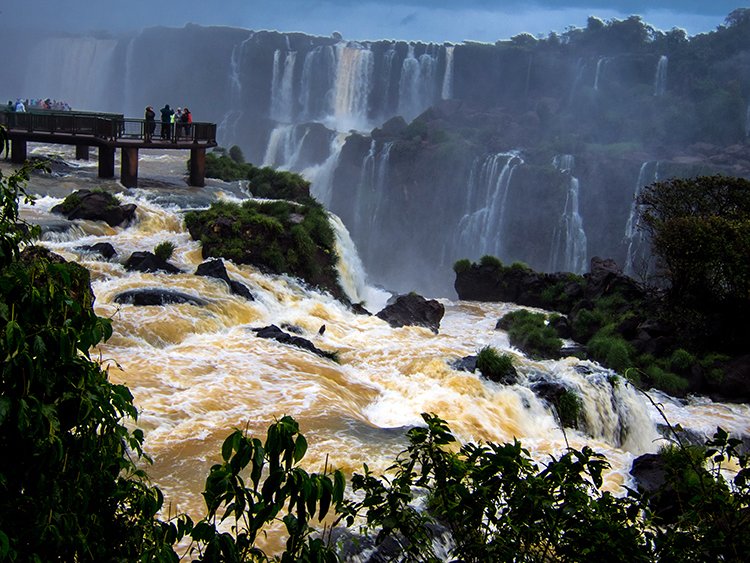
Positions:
{"x": 108, "y": 132}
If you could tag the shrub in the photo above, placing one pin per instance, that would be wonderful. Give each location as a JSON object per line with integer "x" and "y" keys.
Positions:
{"x": 530, "y": 332}
{"x": 461, "y": 266}
{"x": 681, "y": 360}
{"x": 235, "y": 153}
{"x": 569, "y": 408}
{"x": 494, "y": 366}
{"x": 491, "y": 261}
{"x": 164, "y": 250}
{"x": 612, "y": 351}
{"x": 666, "y": 381}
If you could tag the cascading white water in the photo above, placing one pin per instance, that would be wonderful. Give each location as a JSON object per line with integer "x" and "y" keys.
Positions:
{"x": 569, "y": 244}
{"x": 284, "y": 146}
{"x": 180, "y": 360}
{"x": 600, "y": 64}
{"x": 370, "y": 193}
{"x": 352, "y": 86}
{"x": 226, "y": 130}
{"x": 660, "y": 80}
{"x": 447, "y": 90}
{"x": 74, "y": 70}
{"x": 319, "y": 66}
{"x": 481, "y": 227}
{"x": 634, "y": 236}
{"x": 416, "y": 88}
{"x": 321, "y": 176}
{"x": 282, "y": 86}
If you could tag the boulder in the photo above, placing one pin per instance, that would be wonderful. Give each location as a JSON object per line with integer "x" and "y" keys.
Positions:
{"x": 275, "y": 333}
{"x": 605, "y": 277}
{"x": 467, "y": 363}
{"x": 149, "y": 262}
{"x": 104, "y": 249}
{"x": 216, "y": 269}
{"x": 146, "y": 297}
{"x": 96, "y": 206}
{"x": 413, "y": 310}
{"x": 735, "y": 385}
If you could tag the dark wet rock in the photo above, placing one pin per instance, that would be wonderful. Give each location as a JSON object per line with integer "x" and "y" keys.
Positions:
{"x": 413, "y": 310}
{"x": 359, "y": 309}
{"x": 294, "y": 329}
{"x": 734, "y": 385}
{"x": 147, "y": 297}
{"x": 149, "y": 262}
{"x": 216, "y": 269}
{"x": 650, "y": 474}
{"x": 467, "y": 363}
{"x": 605, "y": 277}
{"x": 686, "y": 436}
{"x": 275, "y": 333}
{"x": 96, "y": 206}
{"x": 576, "y": 350}
{"x": 562, "y": 326}
{"x": 103, "y": 249}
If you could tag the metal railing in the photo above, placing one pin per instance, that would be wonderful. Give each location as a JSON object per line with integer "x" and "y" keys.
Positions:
{"x": 107, "y": 127}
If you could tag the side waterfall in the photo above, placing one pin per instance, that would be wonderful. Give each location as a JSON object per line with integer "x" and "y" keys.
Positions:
{"x": 569, "y": 244}
{"x": 660, "y": 80}
{"x": 282, "y": 98}
{"x": 447, "y": 90}
{"x": 634, "y": 237}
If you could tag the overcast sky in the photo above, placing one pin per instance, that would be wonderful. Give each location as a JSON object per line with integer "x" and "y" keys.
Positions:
{"x": 428, "y": 20}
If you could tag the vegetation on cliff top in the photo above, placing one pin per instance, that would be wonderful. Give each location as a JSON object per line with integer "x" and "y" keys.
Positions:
{"x": 290, "y": 236}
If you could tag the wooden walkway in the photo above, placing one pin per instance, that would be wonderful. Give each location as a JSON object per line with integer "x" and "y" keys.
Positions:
{"x": 109, "y": 132}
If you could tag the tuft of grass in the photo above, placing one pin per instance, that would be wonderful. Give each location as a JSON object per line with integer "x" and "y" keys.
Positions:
{"x": 164, "y": 250}
{"x": 493, "y": 365}
{"x": 462, "y": 265}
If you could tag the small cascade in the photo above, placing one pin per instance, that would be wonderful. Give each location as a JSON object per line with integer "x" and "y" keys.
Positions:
{"x": 351, "y": 272}
{"x": 660, "y": 80}
{"x": 282, "y": 86}
{"x": 416, "y": 88}
{"x": 318, "y": 73}
{"x": 284, "y": 146}
{"x": 600, "y": 64}
{"x": 569, "y": 244}
{"x": 321, "y": 176}
{"x": 447, "y": 90}
{"x": 352, "y": 86}
{"x": 480, "y": 229}
{"x": 370, "y": 193}
{"x": 634, "y": 236}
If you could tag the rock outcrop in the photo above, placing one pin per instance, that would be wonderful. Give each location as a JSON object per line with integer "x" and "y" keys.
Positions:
{"x": 157, "y": 297}
{"x": 96, "y": 206}
{"x": 149, "y": 262}
{"x": 216, "y": 269}
{"x": 413, "y": 310}
{"x": 275, "y": 333}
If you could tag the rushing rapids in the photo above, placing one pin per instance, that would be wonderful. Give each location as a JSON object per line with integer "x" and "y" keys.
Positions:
{"x": 198, "y": 371}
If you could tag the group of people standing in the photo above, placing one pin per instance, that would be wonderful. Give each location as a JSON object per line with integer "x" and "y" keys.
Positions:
{"x": 36, "y": 103}
{"x": 174, "y": 124}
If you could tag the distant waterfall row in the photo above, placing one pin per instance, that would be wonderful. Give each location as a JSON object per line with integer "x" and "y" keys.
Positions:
{"x": 349, "y": 85}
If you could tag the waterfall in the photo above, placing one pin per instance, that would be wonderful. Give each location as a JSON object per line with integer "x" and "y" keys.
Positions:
{"x": 284, "y": 146}
{"x": 634, "y": 237}
{"x": 321, "y": 176}
{"x": 74, "y": 70}
{"x": 227, "y": 128}
{"x": 370, "y": 194}
{"x": 416, "y": 88}
{"x": 599, "y": 69}
{"x": 447, "y": 90}
{"x": 352, "y": 86}
{"x": 660, "y": 80}
{"x": 350, "y": 269}
{"x": 481, "y": 228}
{"x": 569, "y": 244}
{"x": 318, "y": 74}
{"x": 282, "y": 86}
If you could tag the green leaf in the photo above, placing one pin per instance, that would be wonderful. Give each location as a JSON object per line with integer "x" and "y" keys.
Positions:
{"x": 300, "y": 448}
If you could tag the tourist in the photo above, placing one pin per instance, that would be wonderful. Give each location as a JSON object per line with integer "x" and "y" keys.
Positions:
{"x": 166, "y": 118}
{"x": 20, "y": 107}
{"x": 186, "y": 119}
{"x": 150, "y": 124}
{"x": 11, "y": 106}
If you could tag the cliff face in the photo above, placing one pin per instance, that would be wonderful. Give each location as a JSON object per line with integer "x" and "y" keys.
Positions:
{"x": 528, "y": 149}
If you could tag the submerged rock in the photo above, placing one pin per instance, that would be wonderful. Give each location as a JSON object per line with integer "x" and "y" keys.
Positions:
{"x": 216, "y": 269}
{"x": 413, "y": 310}
{"x": 104, "y": 249}
{"x": 275, "y": 333}
{"x": 147, "y": 297}
{"x": 149, "y": 262}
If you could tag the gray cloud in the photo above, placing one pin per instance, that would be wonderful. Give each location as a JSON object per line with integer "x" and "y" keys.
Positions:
{"x": 432, "y": 20}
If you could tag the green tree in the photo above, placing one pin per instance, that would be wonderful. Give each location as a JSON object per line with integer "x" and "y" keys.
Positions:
{"x": 700, "y": 231}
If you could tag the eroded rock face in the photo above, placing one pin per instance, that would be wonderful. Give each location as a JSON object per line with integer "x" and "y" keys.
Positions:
{"x": 147, "y": 297}
{"x": 96, "y": 206}
{"x": 413, "y": 310}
